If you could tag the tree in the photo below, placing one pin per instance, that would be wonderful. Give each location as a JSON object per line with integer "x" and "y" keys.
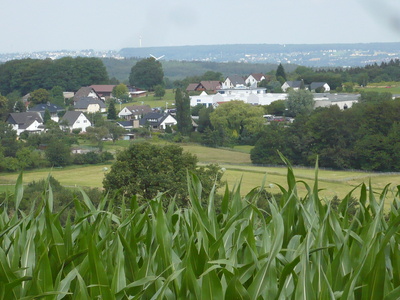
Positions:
{"x": 159, "y": 91}
{"x": 299, "y": 102}
{"x": 204, "y": 121}
{"x": 112, "y": 112}
{"x": 58, "y": 153}
{"x": 97, "y": 135}
{"x": 120, "y": 91}
{"x": 46, "y": 117}
{"x": 3, "y": 107}
{"x": 147, "y": 169}
{"x": 237, "y": 119}
{"x": 276, "y": 108}
{"x": 146, "y": 73}
{"x": 280, "y": 74}
{"x": 39, "y": 96}
{"x": 183, "y": 117}
{"x": 115, "y": 131}
{"x": 57, "y": 96}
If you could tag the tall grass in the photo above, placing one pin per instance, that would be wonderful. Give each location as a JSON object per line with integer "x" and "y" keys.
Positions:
{"x": 297, "y": 248}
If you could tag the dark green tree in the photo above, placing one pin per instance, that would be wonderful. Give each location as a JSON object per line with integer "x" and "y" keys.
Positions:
{"x": 58, "y": 153}
{"x": 147, "y": 169}
{"x": 97, "y": 135}
{"x": 146, "y": 74}
{"x": 57, "y": 96}
{"x": 115, "y": 131}
{"x": 280, "y": 74}
{"x": 40, "y": 96}
{"x": 46, "y": 116}
{"x": 112, "y": 112}
{"x": 183, "y": 117}
{"x": 159, "y": 91}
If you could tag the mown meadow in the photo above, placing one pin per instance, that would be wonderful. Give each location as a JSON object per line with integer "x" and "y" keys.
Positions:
{"x": 297, "y": 247}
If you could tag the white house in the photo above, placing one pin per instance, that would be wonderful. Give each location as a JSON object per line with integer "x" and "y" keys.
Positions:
{"x": 134, "y": 112}
{"x": 253, "y": 79}
{"x": 233, "y": 82}
{"x": 157, "y": 121}
{"x": 30, "y": 121}
{"x": 75, "y": 120}
{"x": 295, "y": 85}
{"x": 90, "y": 105}
{"x": 253, "y": 96}
{"x": 324, "y": 86}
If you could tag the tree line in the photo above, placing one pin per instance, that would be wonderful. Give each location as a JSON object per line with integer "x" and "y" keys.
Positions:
{"x": 27, "y": 75}
{"x": 365, "y": 136}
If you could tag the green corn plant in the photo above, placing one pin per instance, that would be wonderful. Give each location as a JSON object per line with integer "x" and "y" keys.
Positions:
{"x": 296, "y": 248}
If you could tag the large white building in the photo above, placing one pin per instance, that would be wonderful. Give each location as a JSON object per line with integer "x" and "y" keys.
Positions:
{"x": 257, "y": 96}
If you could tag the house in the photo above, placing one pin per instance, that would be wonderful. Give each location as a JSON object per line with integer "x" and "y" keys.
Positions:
{"x": 209, "y": 85}
{"x": 136, "y": 93}
{"x": 86, "y": 92}
{"x": 157, "y": 120}
{"x": 233, "y": 82}
{"x": 321, "y": 87}
{"x": 130, "y": 124}
{"x": 103, "y": 90}
{"x": 192, "y": 87}
{"x": 75, "y": 120}
{"x": 134, "y": 112}
{"x": 254, "y": 79}
{"x": 30, "y": 121}
{"x": 53, "y": 109}
{"x": 90, "y": 105}
{"x": 295, "y": 85}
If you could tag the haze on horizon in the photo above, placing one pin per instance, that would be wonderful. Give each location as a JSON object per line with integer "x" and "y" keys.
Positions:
{"x": 45, "y": 25}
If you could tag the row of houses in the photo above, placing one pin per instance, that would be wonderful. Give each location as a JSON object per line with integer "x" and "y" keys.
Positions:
{"x": 251, "y": 82}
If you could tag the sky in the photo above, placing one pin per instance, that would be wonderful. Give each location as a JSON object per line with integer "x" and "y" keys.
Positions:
{"x": 48, "y": 25}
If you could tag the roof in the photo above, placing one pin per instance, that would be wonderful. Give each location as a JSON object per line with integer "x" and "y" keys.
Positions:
{"x": 192, "y": 86}
{"x": 315, "y": 85}
{"x": 236, "y": 79}
{"x": 84, "y": 92}
{"x": 211, "y": 85}
{"x": 71, "y": 116}
{"x": 103, "y": 88}
{"x": 258, "y": 76}
{"x": 53, "y": 108}
{"x": 153, "y": 116}
{"x": 24, "y": 118}
{"x": 84, "y": 103}
{"x": 139, "y": 109}
{"x": 294, "y": 84}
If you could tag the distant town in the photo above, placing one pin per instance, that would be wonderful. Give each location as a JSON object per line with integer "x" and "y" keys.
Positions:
{"x": 316, "y": 55}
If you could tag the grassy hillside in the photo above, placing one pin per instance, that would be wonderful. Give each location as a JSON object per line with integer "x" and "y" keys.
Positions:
{"x": 238, "y": 169}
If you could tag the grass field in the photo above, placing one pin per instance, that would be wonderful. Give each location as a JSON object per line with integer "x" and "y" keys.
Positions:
{"x": 169, "y": 98}
{"x": 238, "y": 168}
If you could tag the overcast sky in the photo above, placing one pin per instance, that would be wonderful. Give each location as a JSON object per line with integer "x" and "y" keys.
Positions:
{"x": 36, "y": 25}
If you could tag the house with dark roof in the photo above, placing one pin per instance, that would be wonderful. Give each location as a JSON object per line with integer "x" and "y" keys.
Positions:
{"x": 30, "y": 121}
{"x": 233, "y": 81}
{"x": 103, "y": 90}
{"x": 90, "y": 105}
{"x": 75, "y": 120}
{"x": 86, "y": 92}
{"x": 319, "y": 87}
{"x": 53, "y": 109}
{"x": 134, "y": 112}
{"x": 295, "y": 85}
{"x": 157, "y": 121}
{"x": 129, "y": 124}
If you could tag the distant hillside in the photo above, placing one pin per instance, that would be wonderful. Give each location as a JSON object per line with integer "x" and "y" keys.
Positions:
{"x": 312, "y": 55}
{"x": 174, "y": 70}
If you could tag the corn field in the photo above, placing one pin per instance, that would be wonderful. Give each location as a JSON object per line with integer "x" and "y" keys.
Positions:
{"x": 296, "y": 248}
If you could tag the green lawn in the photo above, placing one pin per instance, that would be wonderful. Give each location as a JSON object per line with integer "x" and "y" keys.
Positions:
{"x": 238, "y": 168}
{"x": 391, "y": 87}
{"x": 168, "y": 100}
